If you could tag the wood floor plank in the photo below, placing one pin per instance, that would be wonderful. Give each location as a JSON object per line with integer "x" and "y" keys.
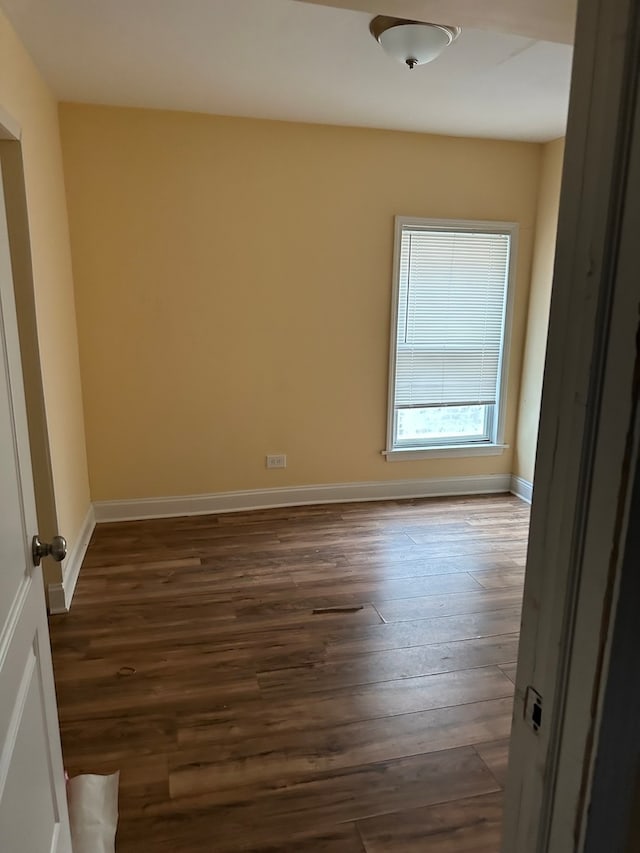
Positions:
{"x": 324, "y": 799}
{"x": 375, "y": 589}
{"x": 391, "y": 665}
{"x": 500, "y": 578}
{"x": 334, "y": 707}
{"x": 186, "y": 585}
{"x": 441, "y": 542}
{"x": 470, "y": 825}
{"x": 496, "y": 756}
{"x": 288, "y": 757}
{"x": 452, "y": 604}
{"x": 161, "y": 567}
{"x": 343, "y": 838}
{"x": 114, "y": 739}
{"x": 428, "y": 552}
{"x": 146, "y": 665}
{"x": 98, "y": 698}
{"x": 383, "y": 567}
{"x": 429, "y": 583}
{"x": 421, "y": 632}
{"x": 191, "y": 661}
{"x": 197, "y": 837}
{"x": 510, "y": 670}
{"x": 350, "y": 590}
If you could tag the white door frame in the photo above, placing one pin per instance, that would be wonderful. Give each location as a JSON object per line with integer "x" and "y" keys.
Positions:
{"x": 587, "y": 445}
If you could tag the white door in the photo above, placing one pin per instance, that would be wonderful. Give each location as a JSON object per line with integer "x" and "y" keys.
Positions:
{"x": 33, "y": 806}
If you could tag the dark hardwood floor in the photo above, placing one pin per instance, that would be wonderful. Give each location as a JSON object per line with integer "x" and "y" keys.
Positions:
{"x": 241, "y": 721}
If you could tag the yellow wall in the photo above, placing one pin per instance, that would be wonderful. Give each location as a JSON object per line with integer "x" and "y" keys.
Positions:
{"x": 27, "y": 99}
{"x": 233, "y": 291}
{"x": 538, "y": 317}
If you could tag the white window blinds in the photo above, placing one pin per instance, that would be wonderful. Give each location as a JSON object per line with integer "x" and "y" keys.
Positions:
{"x": 452, "y": 292}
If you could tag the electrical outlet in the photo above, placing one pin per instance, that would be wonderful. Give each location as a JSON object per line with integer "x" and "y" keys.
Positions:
{"x": 278, "y": 460}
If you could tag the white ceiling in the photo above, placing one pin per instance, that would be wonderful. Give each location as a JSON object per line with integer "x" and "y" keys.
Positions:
{"x": 549, "y": 20}
{"x": 289, "y": 60}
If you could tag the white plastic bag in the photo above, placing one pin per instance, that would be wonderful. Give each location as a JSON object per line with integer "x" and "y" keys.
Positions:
{"x": 93, "y": 813}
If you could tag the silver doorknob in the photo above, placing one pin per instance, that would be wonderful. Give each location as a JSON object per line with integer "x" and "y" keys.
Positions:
{"x": 57, "y": 549}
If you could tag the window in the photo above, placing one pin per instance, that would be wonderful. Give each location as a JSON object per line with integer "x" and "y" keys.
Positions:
{"x": 450, "y": 319}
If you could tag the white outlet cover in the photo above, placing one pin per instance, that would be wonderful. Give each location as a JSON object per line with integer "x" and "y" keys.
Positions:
{"x": 277, "y": 460}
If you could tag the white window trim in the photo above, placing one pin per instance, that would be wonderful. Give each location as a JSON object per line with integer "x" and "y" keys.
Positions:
{"x": 478, "y": 448}
{"x": 496, "y": 446}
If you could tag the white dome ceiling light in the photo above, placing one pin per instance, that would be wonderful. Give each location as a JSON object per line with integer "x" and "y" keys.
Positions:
{"x": 412, "y": 42}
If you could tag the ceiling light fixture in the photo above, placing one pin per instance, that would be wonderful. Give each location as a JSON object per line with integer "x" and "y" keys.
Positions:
{"x": 412, "y": 42}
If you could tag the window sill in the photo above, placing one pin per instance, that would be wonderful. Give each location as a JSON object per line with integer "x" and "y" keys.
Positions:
{"x": 412, "y": 453}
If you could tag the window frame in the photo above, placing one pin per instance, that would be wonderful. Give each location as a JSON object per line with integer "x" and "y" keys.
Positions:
{"x": 495, "y": 444}
{"x": 447, "y": 441}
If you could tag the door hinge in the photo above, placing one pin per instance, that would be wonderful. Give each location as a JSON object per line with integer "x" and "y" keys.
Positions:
{"x": 533, "y": 709}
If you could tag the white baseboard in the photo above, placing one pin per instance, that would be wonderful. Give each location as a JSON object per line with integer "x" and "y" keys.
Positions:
{"x": 61, "y": 594}
{"x": 130, "y": 510}
{"x": 522, "y": 488}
